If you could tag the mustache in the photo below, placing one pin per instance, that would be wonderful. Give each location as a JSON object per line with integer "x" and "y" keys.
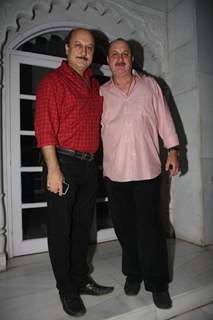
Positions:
{"x": 83, "y": 58}
{"x": 120, "y": 64}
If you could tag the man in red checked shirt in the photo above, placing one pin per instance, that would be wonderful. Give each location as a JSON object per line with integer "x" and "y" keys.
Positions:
{"x": 67, "y": 125}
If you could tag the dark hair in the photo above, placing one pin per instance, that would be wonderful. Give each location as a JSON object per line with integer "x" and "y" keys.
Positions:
{"x": 70, "y": 34}
{"x": 120, "y": 39}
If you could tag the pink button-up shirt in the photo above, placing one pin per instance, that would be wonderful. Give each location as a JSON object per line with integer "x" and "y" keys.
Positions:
{"x": 130, "y": 128}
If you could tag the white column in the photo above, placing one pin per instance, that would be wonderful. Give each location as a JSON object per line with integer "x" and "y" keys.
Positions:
{"x": 2, "y": 212}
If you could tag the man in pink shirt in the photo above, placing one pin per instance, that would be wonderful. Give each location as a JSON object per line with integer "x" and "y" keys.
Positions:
{"x": 135, "y": 114}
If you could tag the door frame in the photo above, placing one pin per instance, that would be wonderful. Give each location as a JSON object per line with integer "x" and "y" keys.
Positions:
{"x": 20, "y": 247}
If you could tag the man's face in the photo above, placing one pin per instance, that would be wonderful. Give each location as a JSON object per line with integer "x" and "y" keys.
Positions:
{"x": 120, "y": 58}
{"x": 80, "y": 50}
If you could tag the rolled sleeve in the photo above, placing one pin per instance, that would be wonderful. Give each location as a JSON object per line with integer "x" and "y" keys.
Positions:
{"x": 46, "y": 114}
{"x": 166, "y": 127}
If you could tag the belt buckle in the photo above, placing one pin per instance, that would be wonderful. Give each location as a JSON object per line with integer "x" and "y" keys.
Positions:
{"x": 83, "y": 156}
{"x": 86, "y": 156}
{"x": 90, "y": 157}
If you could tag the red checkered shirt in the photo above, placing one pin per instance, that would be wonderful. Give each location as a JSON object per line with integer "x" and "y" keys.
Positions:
{"x": 68, "y": 111}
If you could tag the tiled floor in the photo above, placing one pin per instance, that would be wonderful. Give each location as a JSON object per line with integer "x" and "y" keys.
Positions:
{"x": 27, "y": 288}
{"x": 204, "y": 313}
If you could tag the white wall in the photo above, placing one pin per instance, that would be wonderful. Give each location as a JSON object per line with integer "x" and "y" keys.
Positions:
{"x": 190, "y": 26}
{"x": 188, "y": 193}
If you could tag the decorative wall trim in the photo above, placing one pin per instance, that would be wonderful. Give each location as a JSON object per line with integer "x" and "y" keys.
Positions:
{"x": 148, "y": 27}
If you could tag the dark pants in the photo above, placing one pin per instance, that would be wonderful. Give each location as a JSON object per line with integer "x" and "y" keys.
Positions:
{"x": 134, "y": 210}
{"x": 69, "y": 223}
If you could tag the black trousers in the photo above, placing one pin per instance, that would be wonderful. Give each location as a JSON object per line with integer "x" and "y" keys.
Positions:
{"x": 69, "y": 223}
{"x": 135, "y": 215}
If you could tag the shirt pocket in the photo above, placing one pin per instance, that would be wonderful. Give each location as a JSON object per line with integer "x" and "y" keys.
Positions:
{"x": 144, "y": 119}
{"x": 113, "y": 112}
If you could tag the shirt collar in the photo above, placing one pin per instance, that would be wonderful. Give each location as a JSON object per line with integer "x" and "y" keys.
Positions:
{"x": 138, "y": 78}
{"x": 70, "y": 71}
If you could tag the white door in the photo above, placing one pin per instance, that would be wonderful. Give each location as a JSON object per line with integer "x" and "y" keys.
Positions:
{"x": 27, "y": 195}
{"x": 28, "y": 201}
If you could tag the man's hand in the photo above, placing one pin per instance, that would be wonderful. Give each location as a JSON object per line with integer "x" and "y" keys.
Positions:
{"x": 55, "y": 180}
{"x": 55, "y": 177}
{"x": 172, "y": 163}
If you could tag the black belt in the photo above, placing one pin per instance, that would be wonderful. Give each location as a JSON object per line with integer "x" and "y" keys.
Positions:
{"x": 76, "y": 154}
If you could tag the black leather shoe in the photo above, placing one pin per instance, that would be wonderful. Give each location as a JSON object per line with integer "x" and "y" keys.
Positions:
{"x": 94, "y": 289}
{"x": 73, "y": 305}
{"x": 132, "y": 287}
{"x": 162, "y": 299}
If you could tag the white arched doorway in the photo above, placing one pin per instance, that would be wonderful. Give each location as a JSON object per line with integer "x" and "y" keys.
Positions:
{"x": 17, "y": 134}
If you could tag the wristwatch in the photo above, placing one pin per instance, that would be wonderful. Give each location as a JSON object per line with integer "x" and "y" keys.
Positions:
{"x": 174, "y": 148}
{"x": 177, "y": 148}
